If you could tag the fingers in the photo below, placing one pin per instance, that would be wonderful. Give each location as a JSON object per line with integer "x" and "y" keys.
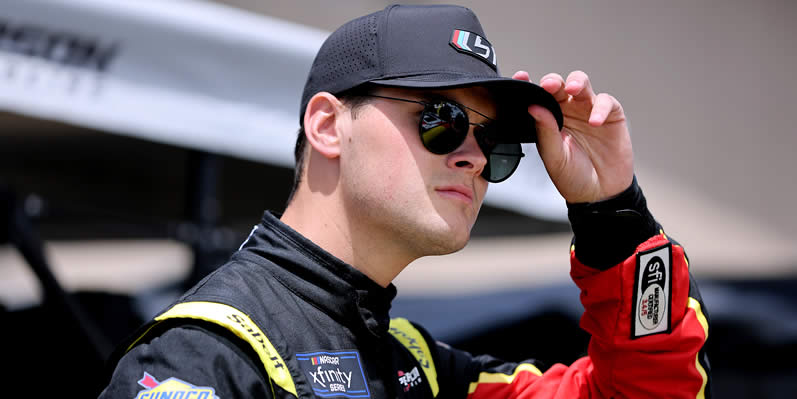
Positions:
{"x": 605, "y": 104}
{"x": 521, "y": 75}
{"x": 579, "y": 86}
{"x": 554, "y": 84}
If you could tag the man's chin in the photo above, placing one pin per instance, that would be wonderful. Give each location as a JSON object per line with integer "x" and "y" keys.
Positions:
{"x": 448, "y": 243}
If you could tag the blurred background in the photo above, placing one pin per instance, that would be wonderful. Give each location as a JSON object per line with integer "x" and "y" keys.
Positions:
{"x": 140, "y": 141}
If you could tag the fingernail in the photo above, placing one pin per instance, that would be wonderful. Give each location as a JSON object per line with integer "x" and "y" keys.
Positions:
{"x": 572, "y": 84}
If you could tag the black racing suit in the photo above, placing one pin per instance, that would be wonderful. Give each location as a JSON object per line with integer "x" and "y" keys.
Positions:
{"x": 284, "y": 318}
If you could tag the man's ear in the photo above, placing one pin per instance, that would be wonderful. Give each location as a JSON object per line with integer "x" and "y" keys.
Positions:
{"x": 320, "y": 125}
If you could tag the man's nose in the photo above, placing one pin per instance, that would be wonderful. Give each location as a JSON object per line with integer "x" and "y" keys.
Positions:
{"x": 468, "y": 156}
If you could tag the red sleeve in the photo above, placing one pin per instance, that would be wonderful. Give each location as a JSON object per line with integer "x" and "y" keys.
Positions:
{"x": 648, "y": 332}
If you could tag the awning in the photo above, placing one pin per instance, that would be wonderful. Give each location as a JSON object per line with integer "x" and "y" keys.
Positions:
{"x": 189, "y": 73}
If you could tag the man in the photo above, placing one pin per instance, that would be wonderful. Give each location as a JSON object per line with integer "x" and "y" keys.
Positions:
{"x": 405, "y": 120}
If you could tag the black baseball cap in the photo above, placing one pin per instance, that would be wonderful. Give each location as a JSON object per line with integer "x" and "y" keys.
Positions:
{"x": 423, "y": 47}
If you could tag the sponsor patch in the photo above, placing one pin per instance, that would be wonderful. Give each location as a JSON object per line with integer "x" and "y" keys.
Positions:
{"x": 475, "y": 45}
{"x": 652, "y": 293}
{"x": 333, "y": 374}
{"x": 410, "y": 378}
{"x": 172, "y": 388}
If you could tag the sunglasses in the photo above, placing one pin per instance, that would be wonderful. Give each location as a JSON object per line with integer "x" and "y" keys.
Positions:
{"x": 444, "y": 126}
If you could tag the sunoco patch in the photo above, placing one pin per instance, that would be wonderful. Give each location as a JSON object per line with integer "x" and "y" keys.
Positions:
{"x": 651, "y": 308}
{"x": 172, "y": 388}
{"x": 333, "y": 374}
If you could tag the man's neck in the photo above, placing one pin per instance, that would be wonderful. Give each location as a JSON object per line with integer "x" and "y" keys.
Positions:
{"x": 329, "y": 226}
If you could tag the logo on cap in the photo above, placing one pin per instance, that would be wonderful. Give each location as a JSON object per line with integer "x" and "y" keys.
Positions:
{"x": 473, "y": 44}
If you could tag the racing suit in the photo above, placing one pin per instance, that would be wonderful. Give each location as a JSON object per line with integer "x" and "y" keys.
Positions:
{"x": 284, "y": 318}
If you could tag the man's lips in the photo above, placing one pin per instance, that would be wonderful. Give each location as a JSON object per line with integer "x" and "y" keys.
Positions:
{"x": 460, "y": 192}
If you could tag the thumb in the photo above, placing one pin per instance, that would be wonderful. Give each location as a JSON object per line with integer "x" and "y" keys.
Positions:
{"x": 547, "y": 128}
{"x": 550, "y": 144}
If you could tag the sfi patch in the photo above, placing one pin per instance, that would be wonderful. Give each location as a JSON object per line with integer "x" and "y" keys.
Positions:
{"x": 172, "y": 388}
{"x": 475, "y": 45}
{"x": 651, "y": 308}
{"x": 333, "y": 374}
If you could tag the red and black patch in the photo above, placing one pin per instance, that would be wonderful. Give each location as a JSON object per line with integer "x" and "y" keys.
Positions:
{"x": 652, "y": 306}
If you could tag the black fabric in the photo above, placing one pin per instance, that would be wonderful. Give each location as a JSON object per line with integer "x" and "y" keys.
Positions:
{"x": 198, "y": 357}
{"x": 304, "y": 300}
{"x": 410, "y": 46}
{"x": 607, "y": 232}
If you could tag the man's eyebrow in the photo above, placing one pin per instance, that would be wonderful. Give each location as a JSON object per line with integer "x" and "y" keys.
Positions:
{"x": 434, "y": 96}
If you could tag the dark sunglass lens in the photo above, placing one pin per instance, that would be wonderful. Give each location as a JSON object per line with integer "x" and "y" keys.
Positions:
{"x": 502, "y": 162}
{"x": 459, "y": 119}
{"x": 444, "y": 127}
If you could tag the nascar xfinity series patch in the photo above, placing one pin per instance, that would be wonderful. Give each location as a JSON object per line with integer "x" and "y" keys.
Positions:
{"x": 334, "y": 374}
{"x": 652, "y": 293}
{"x": 172, "y": 388}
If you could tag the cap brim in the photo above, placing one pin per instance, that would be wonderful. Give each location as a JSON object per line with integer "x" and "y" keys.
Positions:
{"x": 513, "y": 98}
